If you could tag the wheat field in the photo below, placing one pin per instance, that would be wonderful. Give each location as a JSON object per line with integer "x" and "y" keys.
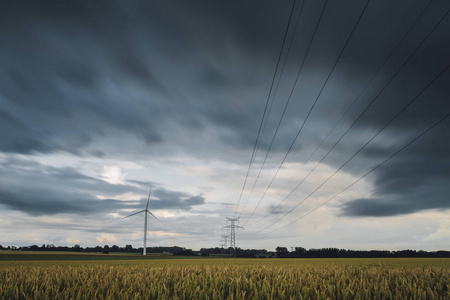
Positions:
{"x": 227, "y": 279}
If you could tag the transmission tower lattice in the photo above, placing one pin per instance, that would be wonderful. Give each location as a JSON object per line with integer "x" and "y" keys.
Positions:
{"x": 223, "y": 241}
{"x": 232, "y": 226}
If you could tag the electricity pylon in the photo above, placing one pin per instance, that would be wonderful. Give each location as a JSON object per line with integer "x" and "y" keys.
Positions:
{"x": 223, "y": 241}
{"x": 233, "y": 228}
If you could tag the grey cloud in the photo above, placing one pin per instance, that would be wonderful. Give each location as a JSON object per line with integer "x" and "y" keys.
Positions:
{"x": 67, "y": 55}
{"x": 58, "y": 91}
{"x": 280, "y": 210}
{"x": 17, "y": 136}
{"x": 175, "y": 200}
{"x": 41, "y": 190}
{"x": 397, "y": 205}
{"x": 45, "y": 201}
{"x": 413, "y": 181}
{"x": 143, "y": 184}
{"x": 193, "y": 77}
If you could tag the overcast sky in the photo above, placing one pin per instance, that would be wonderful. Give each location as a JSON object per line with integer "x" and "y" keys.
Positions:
{"x": 102, "y": 100}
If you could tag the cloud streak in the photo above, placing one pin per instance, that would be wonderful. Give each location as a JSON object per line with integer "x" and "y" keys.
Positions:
{"x": 43, "y": 190}
{"x": 179, "y": 89}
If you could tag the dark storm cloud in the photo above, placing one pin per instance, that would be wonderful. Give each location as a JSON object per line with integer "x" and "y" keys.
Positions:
{"x": 413, "y": 181}
{"x": 41, "y": 190}
{"x": 18, "y": 137}
{"x": 193, "y": 77}
{"x": 399, "y": 205}
{"x": 77, "y": 71}
{"x": 58, "y": 63}
{"x": 44, "y": 201}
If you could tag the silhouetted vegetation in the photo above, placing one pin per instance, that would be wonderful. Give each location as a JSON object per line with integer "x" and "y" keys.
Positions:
{"x": 244, "y": 253}
{"x": 299, "y": 252}
{"x": 281, "y": 252}
{"x": 185, "y": 252}
{"x": 105, "y": 249}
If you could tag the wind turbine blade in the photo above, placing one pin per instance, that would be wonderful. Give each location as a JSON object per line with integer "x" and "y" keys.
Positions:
{"x": 149, "y": 194}
{"x": 134, "y": 214}
{"x": 154, "y": 216}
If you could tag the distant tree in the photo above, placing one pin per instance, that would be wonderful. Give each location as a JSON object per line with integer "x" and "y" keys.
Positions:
{"x": 106, "y": 249}
{"x": 330, "y": 252}
{"x": 442, "y": 253}
{"x": 405, "y": 253}
{"x": 34, "y": 248}
{"x": 128, "y": 248}
{"x": 185, "y": 252}
{"x": 115, "y": 248}
{"x": 282, "y": 252}
{"x": 299, "y": 252}
{"x": 422, "y": 253}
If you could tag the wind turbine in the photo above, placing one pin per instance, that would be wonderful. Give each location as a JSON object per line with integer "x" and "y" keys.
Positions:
{"x": 145, "y": 223}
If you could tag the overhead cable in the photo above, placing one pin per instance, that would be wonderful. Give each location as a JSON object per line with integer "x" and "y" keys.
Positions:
{"x": 343, "y": 115}
{"x": 360, "y": 149}
{"x": 362, "y": 177}
{"x": 270, "y": 108}
{"x": 265, "y": 108}
{"x": 312, "y": 107}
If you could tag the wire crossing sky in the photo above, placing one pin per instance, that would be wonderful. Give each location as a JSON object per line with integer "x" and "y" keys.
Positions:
{"x": 225, "y": 108}
{"x": 255, "y": 148}
{"x": 282, "y": 116}
{"x": 357, "y": 119}
{"x": 270, "y": 108}
{"x": 362, "y": 148}
{"x": 362, "y": 177}
{"x": 311, "y": 108}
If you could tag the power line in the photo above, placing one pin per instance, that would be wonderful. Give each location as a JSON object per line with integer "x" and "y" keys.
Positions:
{"x": 345, "y": 113}
{"x": 312, "y": 107}
{"x": 359, "y": 179}
{"x": 290, "y": 95}
{"x": 360, "y": 149}
{"x": 270, "y": 108}
{"x": 265, "y": 108}
{"x": 369, "y": 105}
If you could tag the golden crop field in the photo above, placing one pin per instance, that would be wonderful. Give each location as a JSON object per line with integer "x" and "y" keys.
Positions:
{"x": 190, "y": 278}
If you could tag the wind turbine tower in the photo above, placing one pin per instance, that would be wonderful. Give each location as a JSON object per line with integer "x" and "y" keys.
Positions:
{"x": 144, "y": 252}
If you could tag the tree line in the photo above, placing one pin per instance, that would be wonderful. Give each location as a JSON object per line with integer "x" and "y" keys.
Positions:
{"x": 280, "y": 252}
{"x": 300, "y": 252}
{"x": 101, "y": 249}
